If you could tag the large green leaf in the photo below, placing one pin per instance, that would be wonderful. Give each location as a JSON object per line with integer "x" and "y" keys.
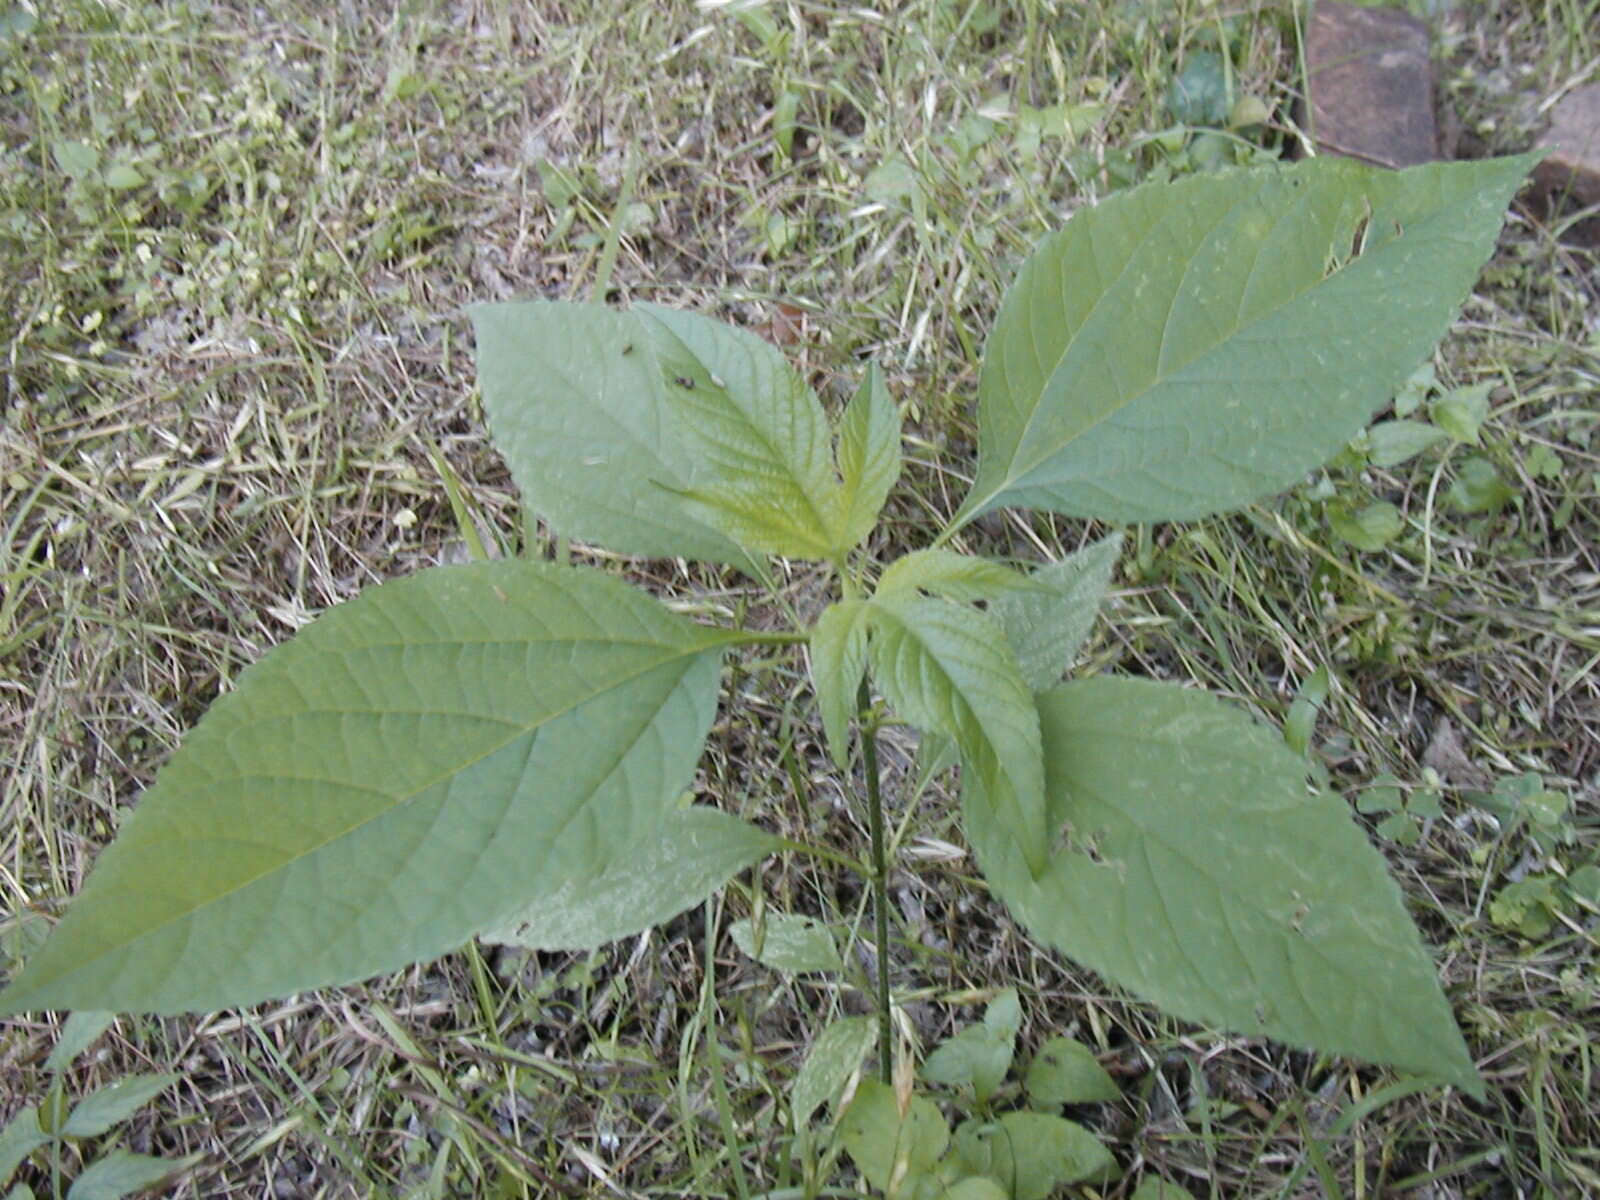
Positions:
{"x": 946, "y": 667}
{"x": 380, "y": 788}
{"x": 577, "y": 402}
{"x": 757, "y": 431}
{"x": 1198, "y": 871}
{"x": 1184, "y": 348}
{"x": 691, "y": 855}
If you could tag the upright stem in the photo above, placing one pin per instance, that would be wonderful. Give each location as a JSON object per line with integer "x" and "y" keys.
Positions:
{"x": 868, "y": 732}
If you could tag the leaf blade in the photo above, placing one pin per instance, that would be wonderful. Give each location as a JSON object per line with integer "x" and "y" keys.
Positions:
{"x": 1136, "y": 370}
{"x": 1047, "y": 625}
{"x": 381, "y": 787}
{"x": 756, "y": 428}
{"x": 673, "y": 869}
{"x": 838, "y": 663}
{"x": 1186, "y": 824}
{"x": 577, "y": 405}
{"x": 947, "y": 668}
{"x": 869, "y": 457}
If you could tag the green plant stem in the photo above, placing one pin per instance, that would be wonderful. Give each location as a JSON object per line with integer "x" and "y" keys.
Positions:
{"x": 868, "y": 732}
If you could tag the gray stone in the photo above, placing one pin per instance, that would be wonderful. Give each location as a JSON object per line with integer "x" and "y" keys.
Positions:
{"x": 1369, "y": 85}
{"x": 1569, "y": 177}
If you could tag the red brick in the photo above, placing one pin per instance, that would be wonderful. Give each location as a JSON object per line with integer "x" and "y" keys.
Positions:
{"x": 1569, "y": 178}
{"x": 1370, "y": 85}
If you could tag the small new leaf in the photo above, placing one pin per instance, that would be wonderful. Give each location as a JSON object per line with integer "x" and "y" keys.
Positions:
{"x": 756, "y": 430}
{"x": 1047, "y": 623}
{"x": 789, "y": 942}
{"x": 1067, "y": 1072}
{"x": 838, "y": 661}
{"x": 886, "y": 1146}
{"x": 946, "y": 667}
{"x": 869, "y": 458}
{"x": 835, "y": 1056}
{"x": 1030, "y": 1153}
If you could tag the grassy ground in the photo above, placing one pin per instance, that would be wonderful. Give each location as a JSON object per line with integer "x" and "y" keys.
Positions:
{"x": 235, "y": 246}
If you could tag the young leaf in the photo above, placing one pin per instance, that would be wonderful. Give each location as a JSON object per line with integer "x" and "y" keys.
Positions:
{"x": 121, "y": 1173}
{"x": 946, "y": 667}
{"x": 114, "y": 1103}
{"x": 838, "y": 661}
{"x": 20, "y": 1138}
{"x": 694, "y": 853}
{"x": 1390, "y": 443}
{"x": 1031, "y": 1153}
{"x": 1047, "y": 625}
{"x": 977, "y": 1057}
{"x": 835, "y": 1056}
{"x": 869, "y": 457}
{"x": 77, "y": 1035}
{"x": 789, "y": 942}
{"x": 1185, "y": 348}
{"x": 1067, "y": 1072}
{"x": 757, "y": 429}
{"x": 951, "y": 575}
{"x": 887, "y": 1145}
{"x": 1153, "y": 1187}
{"x": 1223, "y": 891}
{"x": 577, "y": 403}
{"x": 377, "y": 790}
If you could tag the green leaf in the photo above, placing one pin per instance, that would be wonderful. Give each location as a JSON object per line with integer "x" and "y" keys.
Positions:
{"x": 838, "y": 661}
{"x": 693, "y": 854}
{"x": 79, "y": 1032}
{"x": 1185, "y": 348}
{"x": 980, "y": 1055}
{"x": 1462, "y": 411}
{"x": 1030, "y": 1153}
{"x": 886, "y": 1146}
{"x": 788, "y": 942}
{"x": 76, "y": 160}
{"x": 1221, "y": 889}
{"x": 1046, "y": 627}
{"x": 1478, "y": 488}
{"x": 869, "y": 457}
{"x": 951, "y": 575}
{"x": 946, "y": 668}
{"x": 1390, "y": 443}
{"x": 835, "y": 1057}
{"x": 20, "y": 1138}
{"x": 122, "y": 177}
{"x": 122, "y": 1173}
{"x": 1200, "y": 93}
{"x": 114, "y": 1103}
{"x": 974, "y": 1188}
{"x": 1003, "y": 1016}
{"x": 757, "y": 429}
{"x": 1370, "y": 528}
{"x": 1067, "y": 1072}
{"x": 406, "y": 771}
{"x": 1153, "y": 1187}
{"x": 577, "y": 403}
